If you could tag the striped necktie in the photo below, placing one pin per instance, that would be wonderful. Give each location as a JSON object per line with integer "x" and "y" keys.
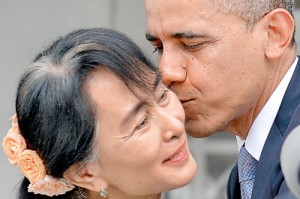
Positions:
{"x": 246, "y": 168}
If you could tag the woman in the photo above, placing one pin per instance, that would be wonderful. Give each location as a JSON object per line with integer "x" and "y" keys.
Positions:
{"x": 94, "y": 120}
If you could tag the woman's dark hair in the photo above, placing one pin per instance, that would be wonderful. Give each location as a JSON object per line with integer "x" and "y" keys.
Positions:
{"x": 55, "y": 113}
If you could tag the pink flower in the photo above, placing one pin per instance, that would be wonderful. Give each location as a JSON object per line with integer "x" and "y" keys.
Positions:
{"x": 13, "y": 144}
{"x": 14, "y": 120}
{"x": 31, "y": 165}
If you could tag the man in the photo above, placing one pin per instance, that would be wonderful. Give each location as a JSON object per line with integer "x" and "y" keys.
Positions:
{"x": 234, "y": 67}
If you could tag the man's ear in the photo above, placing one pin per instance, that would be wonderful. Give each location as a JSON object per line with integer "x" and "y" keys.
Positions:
{"x": 280, "y": 29}
{"x": 87, "y": 175}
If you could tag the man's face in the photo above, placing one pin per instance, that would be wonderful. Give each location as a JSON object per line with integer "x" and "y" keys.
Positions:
{"x": 212, "y": 62}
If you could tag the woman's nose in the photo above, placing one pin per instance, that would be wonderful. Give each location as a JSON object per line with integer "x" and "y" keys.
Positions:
{"x": 172, "y": 125}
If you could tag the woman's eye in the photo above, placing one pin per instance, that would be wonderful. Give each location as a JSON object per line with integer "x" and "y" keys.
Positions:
{"x": 163, "y": 96}
{"x": 144, "y": 121}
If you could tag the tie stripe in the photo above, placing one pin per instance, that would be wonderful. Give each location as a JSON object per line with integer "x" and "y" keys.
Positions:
{"x": 246, "y": 168}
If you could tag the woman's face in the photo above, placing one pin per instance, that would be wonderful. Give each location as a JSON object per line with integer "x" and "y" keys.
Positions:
{"x": 143, "y": 146}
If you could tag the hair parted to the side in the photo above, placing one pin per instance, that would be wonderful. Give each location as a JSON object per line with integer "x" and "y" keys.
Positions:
{"x": 55, "y": 114}
{"x": 252, "y": 11}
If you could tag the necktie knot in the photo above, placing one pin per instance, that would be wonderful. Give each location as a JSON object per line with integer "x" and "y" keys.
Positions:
{"x": 247, "y": 169}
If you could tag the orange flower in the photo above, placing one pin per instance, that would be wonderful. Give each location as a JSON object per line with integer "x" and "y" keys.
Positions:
{"x": 13, "y": 144}
{"x": 31, "y": 165}
{"x": 14, "y": 120}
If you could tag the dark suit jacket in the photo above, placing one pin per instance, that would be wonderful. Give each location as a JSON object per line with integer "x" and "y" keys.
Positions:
{"x": 269, "y": 181}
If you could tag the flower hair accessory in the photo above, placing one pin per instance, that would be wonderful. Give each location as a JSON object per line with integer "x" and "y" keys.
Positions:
{"x": 31, "y": 164}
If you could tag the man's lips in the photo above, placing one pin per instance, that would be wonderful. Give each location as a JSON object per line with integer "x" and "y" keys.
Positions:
{"x": 179, "y": 155}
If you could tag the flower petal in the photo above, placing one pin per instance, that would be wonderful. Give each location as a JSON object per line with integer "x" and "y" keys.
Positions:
{"x": 50, "y": 186}
{"x": 31, "y": 165}
{"x": 13, "y": 144}
{"x": 14, "y": 120}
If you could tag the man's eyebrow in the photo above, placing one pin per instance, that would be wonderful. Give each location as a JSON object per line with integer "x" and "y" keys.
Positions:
{"x": 136, "y": 109}
{"x": 187, "y": 35}
{"x": 180, "y": 35}
{"x": 150, "y": 37}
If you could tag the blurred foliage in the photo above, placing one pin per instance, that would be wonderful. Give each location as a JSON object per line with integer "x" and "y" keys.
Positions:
{"x": 298, "y": 4}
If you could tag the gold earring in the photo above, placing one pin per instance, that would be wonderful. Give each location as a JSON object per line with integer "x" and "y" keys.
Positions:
{"x": 103, "y": 193}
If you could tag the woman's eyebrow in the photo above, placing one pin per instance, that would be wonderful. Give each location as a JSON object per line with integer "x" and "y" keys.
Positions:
{"x": 133, "y": 112}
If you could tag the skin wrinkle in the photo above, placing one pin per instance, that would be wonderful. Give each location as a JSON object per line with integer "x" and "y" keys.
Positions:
{"x": 201, "y": 80}
{"x": 71, "y": 103}
{"x": 119, "y": 157}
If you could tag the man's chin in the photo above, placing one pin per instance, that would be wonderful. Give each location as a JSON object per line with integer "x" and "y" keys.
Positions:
{"x": 196, "y": 131}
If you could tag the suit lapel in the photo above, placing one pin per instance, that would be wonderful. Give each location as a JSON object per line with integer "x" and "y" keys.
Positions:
{"x": 233, "y": 188}
{"x": 268, "y": 175}
{"x": 268, "y": 172}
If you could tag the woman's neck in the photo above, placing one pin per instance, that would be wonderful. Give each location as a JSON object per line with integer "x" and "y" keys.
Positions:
{"x": 111, "y": 195}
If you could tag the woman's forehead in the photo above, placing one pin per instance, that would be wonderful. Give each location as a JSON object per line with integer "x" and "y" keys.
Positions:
{"x": 108, "y": 91}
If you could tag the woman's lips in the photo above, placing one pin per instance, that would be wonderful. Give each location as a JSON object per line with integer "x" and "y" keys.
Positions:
{"x": 179, "y": 155}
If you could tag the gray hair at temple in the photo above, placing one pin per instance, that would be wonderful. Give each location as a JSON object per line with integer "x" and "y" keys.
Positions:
{"x": 252, "y": 11}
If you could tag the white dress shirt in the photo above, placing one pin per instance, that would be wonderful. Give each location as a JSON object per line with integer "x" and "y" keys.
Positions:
{"x": 262, "y": 124}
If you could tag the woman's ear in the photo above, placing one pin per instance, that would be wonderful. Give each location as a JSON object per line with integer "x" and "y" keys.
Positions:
{"x": 86, "y": 175}
{"x": 280, "y": 30}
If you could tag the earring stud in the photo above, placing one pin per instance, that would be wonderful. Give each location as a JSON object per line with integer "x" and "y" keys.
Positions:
{"x": 103, "y": 193}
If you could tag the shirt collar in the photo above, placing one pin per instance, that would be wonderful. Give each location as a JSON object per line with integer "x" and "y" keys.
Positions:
{"x": 262, "y": 124}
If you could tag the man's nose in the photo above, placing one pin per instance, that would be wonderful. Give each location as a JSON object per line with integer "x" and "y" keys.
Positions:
{"x": 172, "y": 68}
